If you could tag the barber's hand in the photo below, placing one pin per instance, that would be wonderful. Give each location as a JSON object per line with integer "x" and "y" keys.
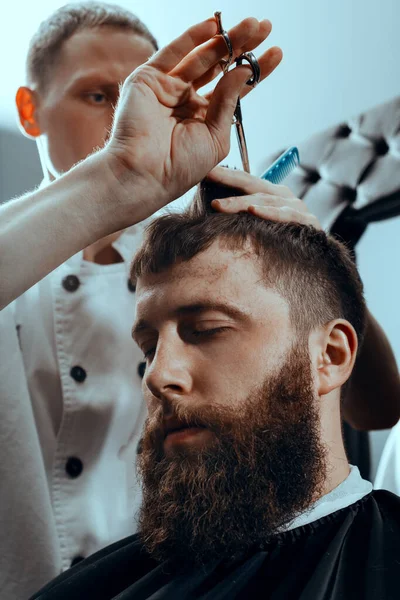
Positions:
{"x": 166, "y": 137}
{"x": 261, "y": 198}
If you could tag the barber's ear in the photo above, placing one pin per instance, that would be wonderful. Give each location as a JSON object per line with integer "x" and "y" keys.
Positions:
{"x": 27, "y": 104}
{"x": 333, "y": 351}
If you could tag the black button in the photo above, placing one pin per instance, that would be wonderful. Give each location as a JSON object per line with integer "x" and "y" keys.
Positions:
{"x": 141, "y": 369}
{"x": 343, "y": 131}
{"x": 74, "y": 467}
{"x": 131, "y": 286}
{"x": 71, "y": 283}
{"x": 77, "y": 560}
{"x": 78, "y": 374}
{"x": 381, "y": 147}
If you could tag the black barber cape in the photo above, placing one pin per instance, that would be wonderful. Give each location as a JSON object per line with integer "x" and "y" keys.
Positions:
{"x": 351, "y": 554}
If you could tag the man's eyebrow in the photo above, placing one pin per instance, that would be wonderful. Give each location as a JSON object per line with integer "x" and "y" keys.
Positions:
{"x": 200, "y": 307}
{"x": 195, "y": 309}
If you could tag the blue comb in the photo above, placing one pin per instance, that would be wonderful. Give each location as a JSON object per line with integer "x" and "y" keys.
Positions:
{"x": 282, "y": 166}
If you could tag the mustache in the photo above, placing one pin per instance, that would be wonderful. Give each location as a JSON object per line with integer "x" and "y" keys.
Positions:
{"x": 172, "y": 415}
{"x": 209, "y": 415}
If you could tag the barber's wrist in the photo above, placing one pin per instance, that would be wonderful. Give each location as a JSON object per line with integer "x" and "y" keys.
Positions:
{"x": 135, "y": 191}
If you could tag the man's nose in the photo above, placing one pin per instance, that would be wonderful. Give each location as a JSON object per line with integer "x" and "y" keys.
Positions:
{"x": 169, "y": 373}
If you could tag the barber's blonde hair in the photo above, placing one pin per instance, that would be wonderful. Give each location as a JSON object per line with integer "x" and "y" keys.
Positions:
{"x": 46, "y": 44}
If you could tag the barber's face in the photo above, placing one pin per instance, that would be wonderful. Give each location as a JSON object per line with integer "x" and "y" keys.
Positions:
{"x": 231, "y": 449}
{"x": 211, "y": 332}
{"x": 76, "y": 111}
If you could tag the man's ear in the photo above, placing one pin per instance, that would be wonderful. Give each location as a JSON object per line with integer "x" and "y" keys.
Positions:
{"x": 333, "y": 349}
{"x": 27, "y": 105}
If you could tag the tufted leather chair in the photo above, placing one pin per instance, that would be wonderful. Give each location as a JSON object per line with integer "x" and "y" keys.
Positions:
{"x": 349, "y": 175}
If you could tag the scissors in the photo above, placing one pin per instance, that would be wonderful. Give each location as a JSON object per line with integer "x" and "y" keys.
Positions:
{"x": 255, "y": 78}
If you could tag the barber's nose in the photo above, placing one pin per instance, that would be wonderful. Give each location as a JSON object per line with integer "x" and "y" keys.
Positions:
{"x": 169, "y": 372}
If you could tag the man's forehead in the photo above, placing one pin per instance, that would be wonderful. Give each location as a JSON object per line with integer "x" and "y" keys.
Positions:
{"x": 215, "y": 265}
{"x": 215, "y": 276}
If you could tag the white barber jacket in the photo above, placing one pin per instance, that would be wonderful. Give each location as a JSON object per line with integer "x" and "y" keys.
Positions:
{"x": 71, "y": 419}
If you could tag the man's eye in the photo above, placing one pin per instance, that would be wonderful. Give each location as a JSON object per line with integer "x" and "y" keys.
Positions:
{"x": 148, "y": 352}
{"x": 209, "y": 332}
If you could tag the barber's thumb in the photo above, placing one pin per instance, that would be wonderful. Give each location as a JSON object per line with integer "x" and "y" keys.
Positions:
{"x": 246, "y": 74}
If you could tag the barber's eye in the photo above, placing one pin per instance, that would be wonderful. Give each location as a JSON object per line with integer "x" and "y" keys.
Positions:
{"x": 97, "y": 97}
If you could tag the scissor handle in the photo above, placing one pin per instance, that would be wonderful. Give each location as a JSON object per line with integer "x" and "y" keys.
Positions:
{"x": 221, "y": 31}
{"x": 255, "y": 67}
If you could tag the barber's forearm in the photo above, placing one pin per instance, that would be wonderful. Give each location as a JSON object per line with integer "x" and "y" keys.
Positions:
{"x": 373, "y": 397}
{"x": 42, "y": 229}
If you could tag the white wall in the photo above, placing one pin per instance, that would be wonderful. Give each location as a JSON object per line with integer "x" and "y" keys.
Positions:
{"x": 340, "y": 58}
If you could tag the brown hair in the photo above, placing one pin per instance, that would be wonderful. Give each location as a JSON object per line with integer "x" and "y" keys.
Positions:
{"x": 46, "y": 44}
{"x": 310, "y": 269}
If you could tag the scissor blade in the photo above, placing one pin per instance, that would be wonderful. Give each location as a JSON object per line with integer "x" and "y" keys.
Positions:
{"x": 241, "y": 137}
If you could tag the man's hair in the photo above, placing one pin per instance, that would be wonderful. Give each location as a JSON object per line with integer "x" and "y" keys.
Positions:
{"x": 313, "y": 271}
{"x": 46, "y": 44}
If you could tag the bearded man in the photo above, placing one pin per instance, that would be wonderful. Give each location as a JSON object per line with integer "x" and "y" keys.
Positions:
{"x": 250, "y": 330}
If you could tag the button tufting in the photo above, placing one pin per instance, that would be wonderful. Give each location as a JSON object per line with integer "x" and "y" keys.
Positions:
{"x": 349, "y": 194}
{"x": 381, "y": 147}
{"x": 343, "y": 131}
{"x": 313, "y": 176}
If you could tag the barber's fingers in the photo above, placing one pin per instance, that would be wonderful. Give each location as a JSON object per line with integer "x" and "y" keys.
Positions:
{"x": 284, "y": 214}
{"x": 222, "y": 106}
{"x": 189, "y": 56}
{"x": 269, "y": 207}
{"x": 268, "y": 62}
{"x": 223, "y": 99}
{"x": 237, "y": 204}
{"x": 247, "y": 183}
{"x": 171, "y": 55}
{"x": 206, "y": 61}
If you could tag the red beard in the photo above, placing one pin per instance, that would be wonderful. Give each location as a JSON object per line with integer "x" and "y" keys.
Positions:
{"x": 265, "y": 465}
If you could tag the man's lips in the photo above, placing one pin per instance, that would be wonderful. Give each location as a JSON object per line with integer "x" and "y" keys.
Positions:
{"x": 172, "y": 424}
{"x": 184, "y": 430}
{"x": 176, "y": 430}
{"x": 184, "y": 434}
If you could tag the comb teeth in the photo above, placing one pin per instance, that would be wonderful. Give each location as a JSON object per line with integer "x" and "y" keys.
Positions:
{"x": 282, "y": 166}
